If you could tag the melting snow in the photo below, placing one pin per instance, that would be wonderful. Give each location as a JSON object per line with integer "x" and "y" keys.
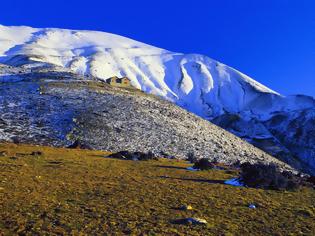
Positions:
{"x": 234, "y": 182}
{"x": 192, "y": 169}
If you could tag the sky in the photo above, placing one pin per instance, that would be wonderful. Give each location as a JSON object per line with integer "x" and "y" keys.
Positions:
{"x": 272, "y": 41}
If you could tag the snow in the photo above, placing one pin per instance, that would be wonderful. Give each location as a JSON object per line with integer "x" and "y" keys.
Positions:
{"x": 192, "y": 169}
{"x": 234, "y": 182}
{"x": 11, "y": 37}
{"x": 195, "y": 82}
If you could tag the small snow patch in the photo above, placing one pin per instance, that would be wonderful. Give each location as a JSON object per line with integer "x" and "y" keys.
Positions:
{"x": 192, "y": 169}
{"x": 234, "y": 182}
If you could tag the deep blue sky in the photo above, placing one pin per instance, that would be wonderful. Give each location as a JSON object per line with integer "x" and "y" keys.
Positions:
{"x": 273, "y": 41}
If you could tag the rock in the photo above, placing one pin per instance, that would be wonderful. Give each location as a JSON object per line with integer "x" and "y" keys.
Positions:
{"x": 141, "y": 156}
{"x": 3, "y": 154}
{"x": 166, "y": 155}
{"x": 311, "y": 180}
{"x": 135, "y": 156}
{"x": 186, "y": 208}
{"x": 204, "y": 164}
{"x": 15, "y": 140}
{"x": 191, "y": 157}
{"x": 79, "y": 145}
{"x": 252, "y": 206}
{"x": 191, "y": 221}
{"x": 120, "y": 155}
{"x": 305, "y": 212}
{"x": 37, "y": 153}
{"x": 260, "y": 175}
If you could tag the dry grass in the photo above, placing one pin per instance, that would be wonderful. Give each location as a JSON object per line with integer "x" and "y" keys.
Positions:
{"x": 80, "y": 192}
{"x": 97, "y": 86}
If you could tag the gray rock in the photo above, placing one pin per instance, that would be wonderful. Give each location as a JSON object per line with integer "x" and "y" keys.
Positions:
{"x": 191, "y": 221}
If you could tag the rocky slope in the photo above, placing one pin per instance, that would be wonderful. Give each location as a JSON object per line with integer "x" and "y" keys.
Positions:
{"x": 58, "y": 112}
{"x": 196, "y": 83}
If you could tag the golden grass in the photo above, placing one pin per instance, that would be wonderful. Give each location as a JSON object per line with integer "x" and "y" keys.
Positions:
{"x": 80, "y": 192}
{"x": 96, "y": 86}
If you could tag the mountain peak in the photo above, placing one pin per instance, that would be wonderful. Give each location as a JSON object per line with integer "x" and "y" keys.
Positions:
{"x": 174, "y": 76}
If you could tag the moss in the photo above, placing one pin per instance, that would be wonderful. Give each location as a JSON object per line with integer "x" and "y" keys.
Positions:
{"x": 75, "y": 191}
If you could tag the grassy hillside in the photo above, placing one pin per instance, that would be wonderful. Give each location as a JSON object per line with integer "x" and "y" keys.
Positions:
{"x": 64, "y": 191}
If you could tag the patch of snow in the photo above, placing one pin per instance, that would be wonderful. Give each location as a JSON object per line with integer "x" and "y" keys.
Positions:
{"x": 192, "y": 169}
{"x": 234, "y": 182}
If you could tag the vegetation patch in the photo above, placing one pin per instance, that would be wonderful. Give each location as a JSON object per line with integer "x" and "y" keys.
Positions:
{"x": 79, "y": 192}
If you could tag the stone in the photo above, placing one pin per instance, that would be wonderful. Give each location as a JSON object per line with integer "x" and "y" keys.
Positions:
{"x": 3, "y": 153}
{"x": 37, "y": 153}
{"x": 204, "y": 164}
{"x": 186, "y": 208}
{"x": 79, "y": 145}
{"x": 135, "y": 156}
{"x": 191, "y": 221}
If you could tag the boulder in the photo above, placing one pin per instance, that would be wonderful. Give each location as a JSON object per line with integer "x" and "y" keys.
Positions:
{"x": 79, "y": 145}
{"x": 204, "y": 164}
{"x": 186, "y": 208}
{"x": 3, "y": 153}
{"x": 191, "y": 221}
{"x": 135, "y": 156}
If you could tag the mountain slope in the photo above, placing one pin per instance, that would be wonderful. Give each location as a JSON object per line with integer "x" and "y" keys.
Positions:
{"x": 60, "y": 112}
{"x": 197, "y": 83}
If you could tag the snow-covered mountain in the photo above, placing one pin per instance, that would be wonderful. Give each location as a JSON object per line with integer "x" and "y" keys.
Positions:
{"x": 195, "y": 82}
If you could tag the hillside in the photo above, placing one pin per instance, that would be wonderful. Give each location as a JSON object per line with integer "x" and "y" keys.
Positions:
{"x": 59, "y": 112}
{"x": 64, "y": 191}
{"x": 280, "y": 125}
